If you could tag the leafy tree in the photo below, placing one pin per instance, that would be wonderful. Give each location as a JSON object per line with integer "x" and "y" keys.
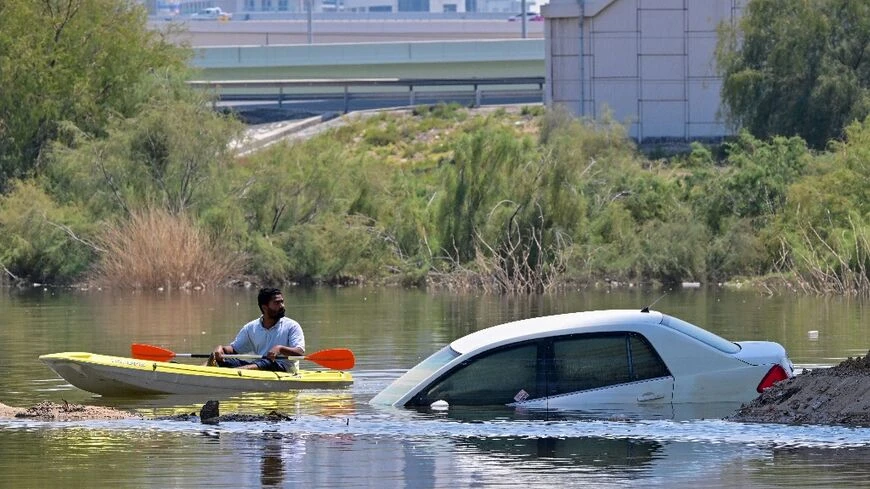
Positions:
{"x": 797, "y": 67}
{"x": 168, "y": 157}
{"x": 79, "y": 61}
{"x": 752, "y": 182}
{"x": 38, "y": 239}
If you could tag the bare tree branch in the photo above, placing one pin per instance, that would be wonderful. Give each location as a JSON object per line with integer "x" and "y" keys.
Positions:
{"x": 73, "y": 235}
{"x": 14, "y": 277}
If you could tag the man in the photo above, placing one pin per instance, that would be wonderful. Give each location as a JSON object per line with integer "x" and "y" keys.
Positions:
{"x": 271, "y": 335}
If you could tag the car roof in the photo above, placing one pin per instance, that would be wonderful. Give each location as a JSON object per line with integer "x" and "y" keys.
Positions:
{"x": 560, "y": 324}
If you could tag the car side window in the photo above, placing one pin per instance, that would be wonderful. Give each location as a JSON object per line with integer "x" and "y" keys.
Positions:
{"x": 490, "y": 379}
{"x": 645, "y": 362}
{"x": 600, "y": 360}
{"x": 589, "y": 362}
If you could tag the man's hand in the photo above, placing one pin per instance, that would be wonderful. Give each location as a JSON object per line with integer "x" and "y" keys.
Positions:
{"x": 275, "y": 352}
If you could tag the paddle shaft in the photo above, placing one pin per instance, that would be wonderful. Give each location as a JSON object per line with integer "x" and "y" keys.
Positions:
{"x": 233, "y": 355}
{"x": 334, "y": 358}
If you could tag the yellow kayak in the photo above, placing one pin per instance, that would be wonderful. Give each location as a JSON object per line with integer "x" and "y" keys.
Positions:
{"x": 121, "y": 376}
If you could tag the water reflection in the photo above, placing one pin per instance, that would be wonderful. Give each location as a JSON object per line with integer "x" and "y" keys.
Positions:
{"x": 401, "y": 448}
{"x": 272, "y": 465}
{"x": 604, "y": 412}
{"x": 314, "y": 402}
{"x": 590, "y": 452}
{"x": 277, "y": 452}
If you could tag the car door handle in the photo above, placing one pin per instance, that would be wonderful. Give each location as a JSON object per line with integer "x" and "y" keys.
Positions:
{"x": 649, "y": 396}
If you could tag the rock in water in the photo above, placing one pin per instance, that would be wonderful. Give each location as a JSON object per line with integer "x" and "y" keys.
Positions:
{"x": 210, "y": 412}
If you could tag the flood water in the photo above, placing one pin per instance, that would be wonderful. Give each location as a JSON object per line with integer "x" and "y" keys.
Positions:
{"x": 338, "y": 440}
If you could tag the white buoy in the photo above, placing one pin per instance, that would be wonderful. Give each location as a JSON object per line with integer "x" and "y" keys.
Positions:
{"x": 440, "y": 405}
{"x": 813, "y": 334}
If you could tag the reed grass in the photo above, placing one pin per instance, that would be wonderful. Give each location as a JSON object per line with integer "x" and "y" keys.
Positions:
{"x": 156, "y": 249}
{"x": 826, "y": 265}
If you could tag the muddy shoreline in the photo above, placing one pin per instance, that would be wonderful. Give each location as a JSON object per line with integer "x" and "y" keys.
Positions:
{"x": 50, "y": 411}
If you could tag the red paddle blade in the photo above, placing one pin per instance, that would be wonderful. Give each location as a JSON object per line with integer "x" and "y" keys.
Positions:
{"x": 142, "y": 351}
{"x": 334, "y": 358}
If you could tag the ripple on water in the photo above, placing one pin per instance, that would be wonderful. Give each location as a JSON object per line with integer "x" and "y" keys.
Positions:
{"x": 396, "y": 424}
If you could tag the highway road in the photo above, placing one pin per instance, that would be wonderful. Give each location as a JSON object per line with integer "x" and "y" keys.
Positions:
{"x": 278, "y": 32}
{"x": 273, "y": 32}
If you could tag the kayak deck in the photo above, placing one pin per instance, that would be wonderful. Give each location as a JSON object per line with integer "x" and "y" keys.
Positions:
{"x": 121, "y": 376}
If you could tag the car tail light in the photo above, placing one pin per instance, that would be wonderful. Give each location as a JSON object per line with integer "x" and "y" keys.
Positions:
{"x": 774, "y": 375}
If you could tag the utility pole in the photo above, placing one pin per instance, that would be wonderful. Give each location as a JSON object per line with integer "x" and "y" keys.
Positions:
{"x": 523, "y": 8}
{"x": 309, "y": 8}
{"x": 582, "y": 111}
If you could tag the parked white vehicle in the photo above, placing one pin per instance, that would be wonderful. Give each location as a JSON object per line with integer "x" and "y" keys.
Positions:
{"x": 211, "y": 13}
{"x": 583, "y": 361}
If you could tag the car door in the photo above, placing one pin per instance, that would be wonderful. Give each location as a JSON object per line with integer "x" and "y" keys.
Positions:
{"x": 587, "y": 370}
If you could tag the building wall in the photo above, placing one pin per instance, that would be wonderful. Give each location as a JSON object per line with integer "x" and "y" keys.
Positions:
{"x": 649, "y": 62}
{"x": 508, "y": 6}
{"x": 447, "y": 5}
{"x": 365, "y": 5}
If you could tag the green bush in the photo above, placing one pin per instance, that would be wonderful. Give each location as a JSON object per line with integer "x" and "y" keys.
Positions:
{"x": 753, "y": 181}
{"x": 41, "y": 241}
{"x": 673, "y": 251}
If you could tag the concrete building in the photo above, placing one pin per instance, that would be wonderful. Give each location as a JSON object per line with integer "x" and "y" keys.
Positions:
{"x": 651, "y": 62}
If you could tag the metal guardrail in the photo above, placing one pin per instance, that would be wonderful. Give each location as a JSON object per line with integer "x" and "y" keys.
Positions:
{"x": 372, "y": 89}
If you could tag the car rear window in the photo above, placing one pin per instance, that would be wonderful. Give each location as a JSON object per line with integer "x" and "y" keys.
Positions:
{"x": 700, "y": 334}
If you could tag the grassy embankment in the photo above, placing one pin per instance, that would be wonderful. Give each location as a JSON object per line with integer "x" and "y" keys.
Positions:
{"x": 502, "y": 201}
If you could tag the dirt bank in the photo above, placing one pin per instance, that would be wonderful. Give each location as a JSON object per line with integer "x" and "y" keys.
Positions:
{"x": 836, "y": 395}
{"x": 50, "y": 411}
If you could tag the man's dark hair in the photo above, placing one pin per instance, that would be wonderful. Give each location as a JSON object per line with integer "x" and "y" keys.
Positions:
{"x": 265, "y": 295}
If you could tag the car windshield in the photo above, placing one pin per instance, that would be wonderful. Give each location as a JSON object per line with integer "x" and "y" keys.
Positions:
{"x": 413, "y": 377}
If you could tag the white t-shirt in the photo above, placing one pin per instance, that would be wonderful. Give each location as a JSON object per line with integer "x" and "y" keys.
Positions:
{"x": 254, "y": 338}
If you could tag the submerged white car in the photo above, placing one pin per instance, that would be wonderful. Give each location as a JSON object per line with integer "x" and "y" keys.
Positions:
{"x": 582, "y": 360}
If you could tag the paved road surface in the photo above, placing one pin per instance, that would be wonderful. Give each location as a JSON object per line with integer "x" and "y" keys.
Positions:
{"x": 259, "y": 33}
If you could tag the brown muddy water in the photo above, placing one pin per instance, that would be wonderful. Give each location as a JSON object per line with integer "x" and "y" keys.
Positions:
{"x": 337, "y": 439}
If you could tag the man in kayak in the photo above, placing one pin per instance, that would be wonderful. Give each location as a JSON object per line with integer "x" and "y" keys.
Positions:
{"x": 271, "y": 335}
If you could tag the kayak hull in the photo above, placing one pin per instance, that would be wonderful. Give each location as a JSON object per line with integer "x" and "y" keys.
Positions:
{"x": 121, "y": 376}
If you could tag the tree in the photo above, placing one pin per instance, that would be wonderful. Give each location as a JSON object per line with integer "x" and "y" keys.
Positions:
{"x": 76, "y": 61}
{"x": 797, "y": 67}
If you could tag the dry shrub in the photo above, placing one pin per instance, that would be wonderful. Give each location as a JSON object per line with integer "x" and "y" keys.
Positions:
{"x": 157, "y": 249}
{"x": 509, "y": 269}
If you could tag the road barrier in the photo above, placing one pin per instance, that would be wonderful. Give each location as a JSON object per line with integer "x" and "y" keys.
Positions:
{"x": 415, "y": 89}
